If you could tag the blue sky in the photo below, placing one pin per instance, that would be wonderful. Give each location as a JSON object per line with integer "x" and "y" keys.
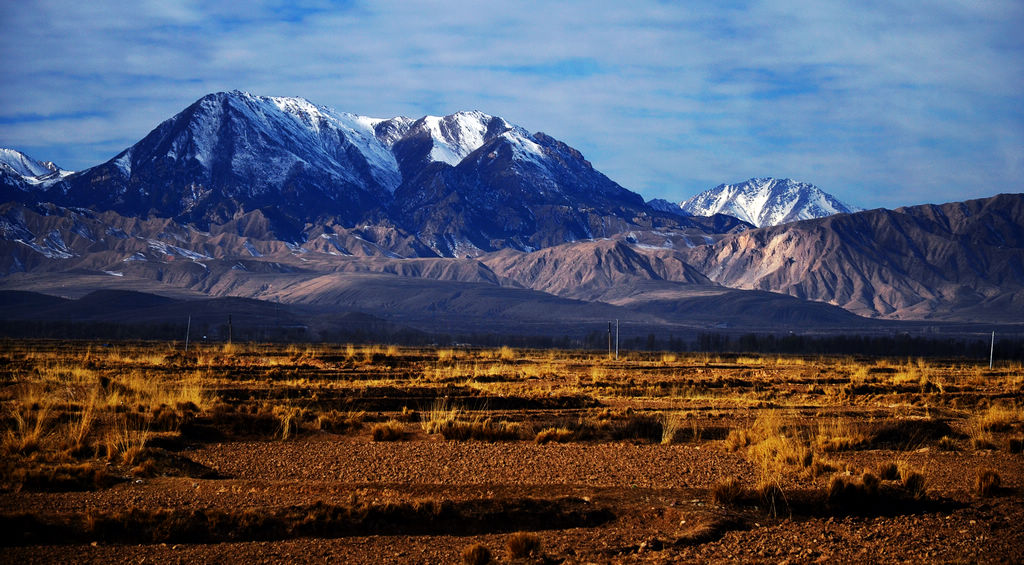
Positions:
{"x": 879, "y": 103}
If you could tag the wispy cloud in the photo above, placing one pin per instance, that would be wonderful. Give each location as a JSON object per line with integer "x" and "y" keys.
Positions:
{"x": 880, "y": 103}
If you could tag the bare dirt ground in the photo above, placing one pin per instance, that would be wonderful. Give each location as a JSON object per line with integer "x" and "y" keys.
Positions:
{"x": 263, "y": 453}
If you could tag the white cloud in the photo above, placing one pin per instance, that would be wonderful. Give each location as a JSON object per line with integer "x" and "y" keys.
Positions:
{"x": 881, "y": 104}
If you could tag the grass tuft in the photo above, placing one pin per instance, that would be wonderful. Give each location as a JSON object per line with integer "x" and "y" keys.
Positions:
{"x": 987, "y": 483}
{"x": 521, "y": 545}
{"x": 557, "y": 435}
{"x": 392, "y": 430}
{"x": 727, "y": 491}
{"x": 476, "y": 554}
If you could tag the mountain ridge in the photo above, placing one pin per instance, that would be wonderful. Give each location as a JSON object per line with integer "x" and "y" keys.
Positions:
{"x": 766, "y": 201}
{"x": 463, "y": 184}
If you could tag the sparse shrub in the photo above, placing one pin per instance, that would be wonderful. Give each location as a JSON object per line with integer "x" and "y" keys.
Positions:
{"x": 31, "y": 426}
{"x": 983, "y": 442}
{"x": 849, "y": 491}
{"x": 476, "y": 554}
{"x": 122, "y": 443}
{"x": 987, "y": 483}
{"x": 913, "y": 482}
{"x": 391, "y": 430}
{"x": 737, "y": 439}
{"x": 486, "y": 429}
{"x": 557, "y": 435}
{"x": 506, "y": 353}
{"x": 340, "y": 422}
{"x": 889, "y": 472}
{"x": 523, "y": 544}
{"x": 998, "y": 418}
{"x": 445, "y": 355}
{"x": 288, "y": 418}
{"x": 726, "y": 491}
{"x": 674, "y": 426}
{"x": 947, "y": 443}
{"x": 77, "y": 431}
{"x": 840, "y": 435}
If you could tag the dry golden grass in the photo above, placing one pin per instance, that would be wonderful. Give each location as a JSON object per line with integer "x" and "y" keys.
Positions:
{"x": 840, "y": 435}
{"x": 782, "y": 414}
{"x": 555, "y": 435}
{"x": 522, "y": 545}
{"x": 392, "y": 430}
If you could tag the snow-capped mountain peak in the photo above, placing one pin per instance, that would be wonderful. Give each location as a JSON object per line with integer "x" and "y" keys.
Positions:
{"x": 767, "y": 201}
{"x": 26, "y": 172}
{"x": 17, "y": 162}
{"x": 463, "y": 183}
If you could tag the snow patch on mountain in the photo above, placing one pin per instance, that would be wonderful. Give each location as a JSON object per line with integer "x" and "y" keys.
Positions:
{"x": 767, "y": 202}
{"x": 30, "y": 171}
{"x": 456, "y": 136}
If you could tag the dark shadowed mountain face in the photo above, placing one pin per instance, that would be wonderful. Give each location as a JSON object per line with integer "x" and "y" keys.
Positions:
{"x": 464, "y": 184}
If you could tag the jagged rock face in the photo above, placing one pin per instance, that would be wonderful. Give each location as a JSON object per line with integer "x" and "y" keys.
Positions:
{"x": 465, "y": 184}
{"x": 766, "y": 202}
{"x": 914, "y": 262}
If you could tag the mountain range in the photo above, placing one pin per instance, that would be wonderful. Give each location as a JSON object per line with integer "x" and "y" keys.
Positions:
{"x": 470, "y": 220}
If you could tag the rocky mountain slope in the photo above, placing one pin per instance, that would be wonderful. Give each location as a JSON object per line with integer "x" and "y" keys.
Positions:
{"x": 766, "y": 202}
{"x": 462, "y": 184}
{"x": 959, "y": 261}
{"x": 962, "y": 260}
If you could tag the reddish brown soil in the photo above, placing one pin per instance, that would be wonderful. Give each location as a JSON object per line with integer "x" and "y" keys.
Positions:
{"x": 656, "y": 497}
{"x": 656, "y": 492}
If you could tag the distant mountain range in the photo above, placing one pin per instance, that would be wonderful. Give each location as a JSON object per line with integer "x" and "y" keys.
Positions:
{"x": 469, "y": 220}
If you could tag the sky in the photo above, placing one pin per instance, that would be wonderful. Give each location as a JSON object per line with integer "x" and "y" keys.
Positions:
{"x": 882, "y": 104}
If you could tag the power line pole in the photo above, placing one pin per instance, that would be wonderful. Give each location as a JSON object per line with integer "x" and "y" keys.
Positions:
{"x": 616, "y": 339}
{"x": 992, "y": 350}
{"x": 188, "y": 329}
{"x": 230, "y": 330}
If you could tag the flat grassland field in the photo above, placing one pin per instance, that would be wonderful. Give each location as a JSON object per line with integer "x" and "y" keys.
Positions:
{"x": 126, "y": 452}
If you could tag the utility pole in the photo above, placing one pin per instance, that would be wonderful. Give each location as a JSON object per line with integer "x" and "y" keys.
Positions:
{"x": 616, "y": 339}
{"x": 992, "y": 350}
{"x": 188, "y": 329}
{"x": 230, "y": 332}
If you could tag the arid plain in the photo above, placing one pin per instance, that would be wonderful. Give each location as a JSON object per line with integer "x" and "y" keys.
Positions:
{"x": 131, "y": 452}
